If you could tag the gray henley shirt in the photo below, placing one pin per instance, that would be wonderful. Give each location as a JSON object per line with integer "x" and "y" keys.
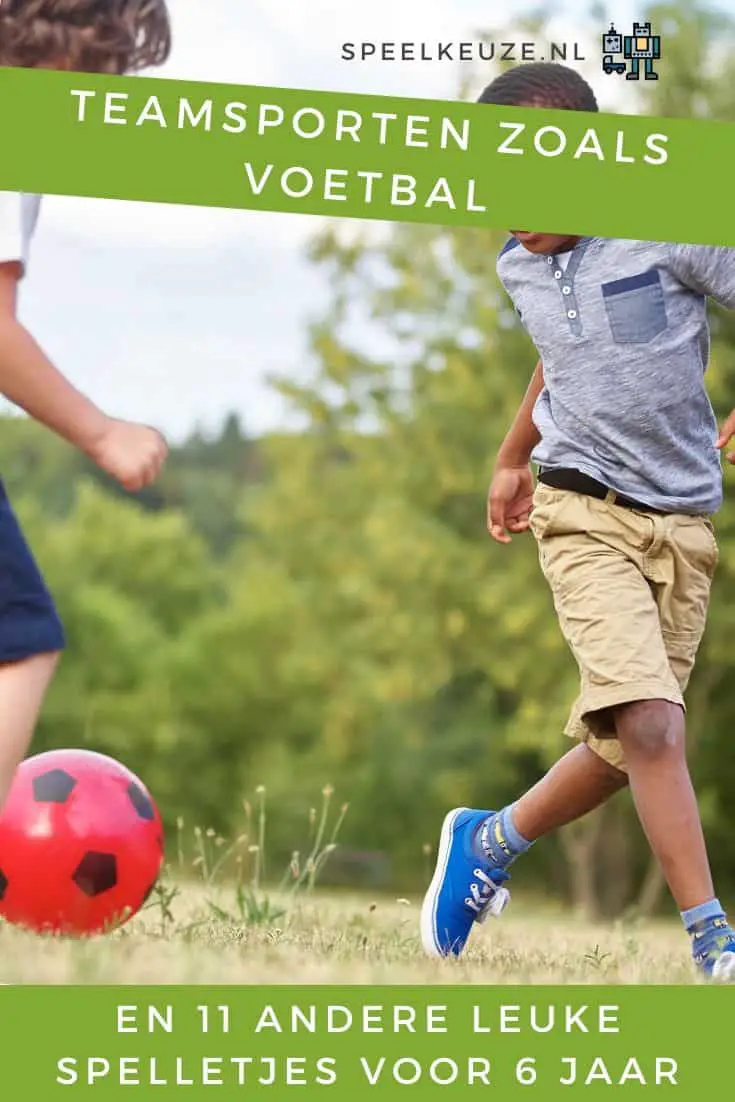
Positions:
{"x": 623, "y": 335}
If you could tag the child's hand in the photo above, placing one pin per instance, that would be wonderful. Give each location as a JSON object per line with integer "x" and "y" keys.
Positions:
{"x": 509, "y": 502}
{"x": 132, "y": 454}
{"x": 726, "y": 434}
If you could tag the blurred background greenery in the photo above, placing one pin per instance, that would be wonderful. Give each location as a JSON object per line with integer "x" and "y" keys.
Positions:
{"x": 324, "y": 605}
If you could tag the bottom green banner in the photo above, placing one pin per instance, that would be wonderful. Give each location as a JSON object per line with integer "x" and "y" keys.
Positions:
{"x": 384, "y": 1042}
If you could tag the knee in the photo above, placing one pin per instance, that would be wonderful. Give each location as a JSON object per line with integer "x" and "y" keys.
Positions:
{"x": 649, "y": 728}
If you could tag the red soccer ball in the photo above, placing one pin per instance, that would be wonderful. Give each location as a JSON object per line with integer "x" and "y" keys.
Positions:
{"x": 81, "y": 844}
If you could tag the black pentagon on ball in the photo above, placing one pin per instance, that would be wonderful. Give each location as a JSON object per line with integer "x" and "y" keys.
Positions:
{"x": 96, "y": 873}
{"x": 141, "y": 802}
{"x": 3, "y": 884}
{"x": 53, "y": 787}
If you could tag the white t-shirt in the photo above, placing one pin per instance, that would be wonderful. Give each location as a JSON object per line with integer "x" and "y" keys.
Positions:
{"x": 18, "y": 217}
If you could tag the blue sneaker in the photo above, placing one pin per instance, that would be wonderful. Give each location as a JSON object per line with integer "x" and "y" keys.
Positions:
{"x": 464, "y": 890}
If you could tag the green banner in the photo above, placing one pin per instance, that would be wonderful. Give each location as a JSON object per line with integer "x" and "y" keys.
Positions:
{"x": 346, "y": 155}
{"x": 360, "y": 1043}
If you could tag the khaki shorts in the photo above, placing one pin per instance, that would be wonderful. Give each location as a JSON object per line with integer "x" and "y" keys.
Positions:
{"x": 631, "y": 591}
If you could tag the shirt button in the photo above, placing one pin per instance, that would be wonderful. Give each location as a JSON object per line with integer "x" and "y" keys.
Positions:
{"x": 549, "y": 260}
{"x": 572, "y": 314}
{"x": 557, "y": 274}
{"x": 566, "y": 290}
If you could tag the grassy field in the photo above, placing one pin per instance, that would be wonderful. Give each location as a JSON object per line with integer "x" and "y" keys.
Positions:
{"x": 193, "y": 935}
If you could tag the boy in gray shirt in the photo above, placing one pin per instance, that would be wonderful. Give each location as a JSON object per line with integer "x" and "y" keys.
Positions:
{"x": 619, "y": 423}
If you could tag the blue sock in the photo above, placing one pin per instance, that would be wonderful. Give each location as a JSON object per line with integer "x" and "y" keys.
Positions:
{"x": 706, "y": 925}
{"x": 705, "y": 912}
{"x": 498, "y": 840}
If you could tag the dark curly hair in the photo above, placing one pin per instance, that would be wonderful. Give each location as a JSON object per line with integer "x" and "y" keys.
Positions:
{"x": 541, "y": 84}
{"x": 117, "y": 36}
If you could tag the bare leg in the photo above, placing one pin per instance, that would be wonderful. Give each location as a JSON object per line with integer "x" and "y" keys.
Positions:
{"x": 652, "y": 735}
{"x": 23, "y": 686}
{"x": 577, "y": 784}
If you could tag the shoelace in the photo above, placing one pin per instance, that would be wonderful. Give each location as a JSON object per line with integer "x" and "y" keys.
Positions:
{"x": 709, "y": 940}
{"x": 486, "y": 897}
{"x": 724, "y": 943}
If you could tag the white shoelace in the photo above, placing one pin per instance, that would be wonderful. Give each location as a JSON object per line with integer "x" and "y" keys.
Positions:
{"x": 486, "y": 899}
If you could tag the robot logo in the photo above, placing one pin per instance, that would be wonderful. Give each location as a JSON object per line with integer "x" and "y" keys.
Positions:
{"x": 621, "y": 51}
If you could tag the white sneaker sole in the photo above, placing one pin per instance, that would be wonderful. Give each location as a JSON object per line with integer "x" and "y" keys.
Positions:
{"x": 428, "y": 908}
{"x": 724, "y": 969}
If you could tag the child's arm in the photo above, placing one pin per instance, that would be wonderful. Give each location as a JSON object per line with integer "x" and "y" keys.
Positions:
{"x": 133, "y": 454}
{"x": 710, "y": 271}
{"x": 522, "y": 436}
{"x": 511, "y": 491}
{"x": 707, "y": 269}
{"x": 29, "y": 380}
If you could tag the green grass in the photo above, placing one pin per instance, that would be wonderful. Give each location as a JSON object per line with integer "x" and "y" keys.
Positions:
{"x": 213, "y": 920}
{"x": 200, "y": 936}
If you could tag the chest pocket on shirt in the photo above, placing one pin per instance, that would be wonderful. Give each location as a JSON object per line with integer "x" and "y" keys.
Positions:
{"x": 635, "y": 307}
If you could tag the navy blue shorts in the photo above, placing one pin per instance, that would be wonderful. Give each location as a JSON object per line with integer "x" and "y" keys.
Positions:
{"x": 29, "y": 622}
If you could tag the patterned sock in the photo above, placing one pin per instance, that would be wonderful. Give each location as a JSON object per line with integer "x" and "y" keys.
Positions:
{"x": 708, "y": 928}
{"x": 498, "y": 841}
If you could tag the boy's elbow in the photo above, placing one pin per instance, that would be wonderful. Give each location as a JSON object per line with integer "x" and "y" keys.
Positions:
{"x": 11, "y": 274}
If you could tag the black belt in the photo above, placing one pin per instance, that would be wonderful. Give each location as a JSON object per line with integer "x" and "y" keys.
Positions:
{"x": 566, "y": 478}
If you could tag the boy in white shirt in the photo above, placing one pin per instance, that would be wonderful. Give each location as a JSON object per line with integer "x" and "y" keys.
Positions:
{"x": 78, "y": 35}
